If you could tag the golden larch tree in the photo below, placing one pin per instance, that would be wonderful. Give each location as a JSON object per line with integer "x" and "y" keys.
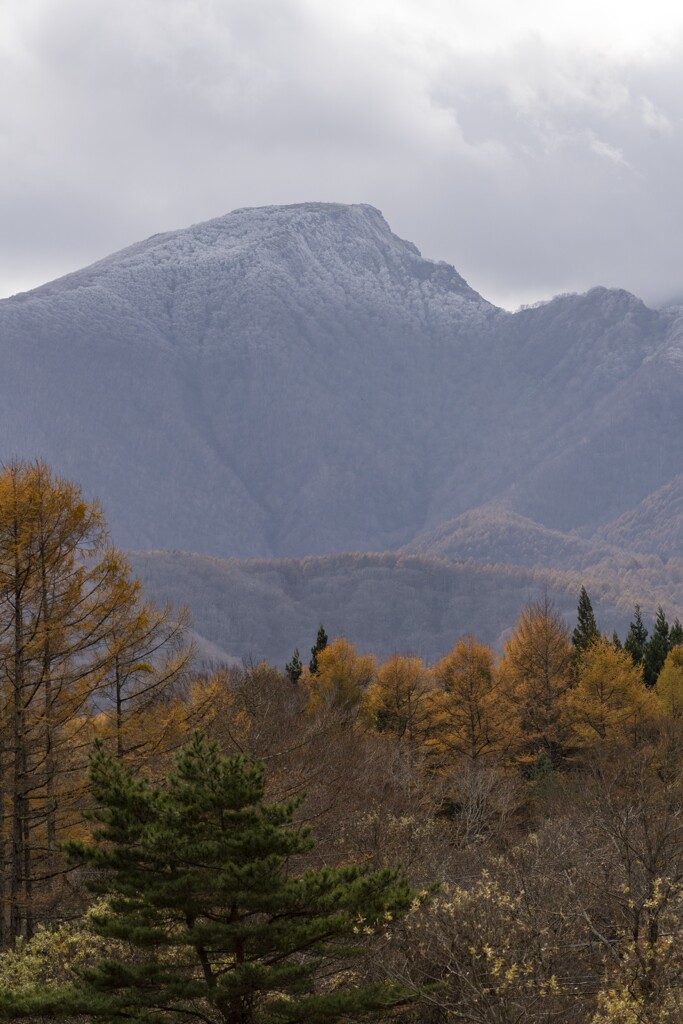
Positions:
{"x": 468, "y": 719}
{"x": 396, "y": 703}
{"x": 537, "y": 670}
{"x": 342, "y": 678}
{"x": 147, "y": 654}
{"x": 609, "y": 701}
{"x": 669, "y": 686}
{"x": 63, "y": 588}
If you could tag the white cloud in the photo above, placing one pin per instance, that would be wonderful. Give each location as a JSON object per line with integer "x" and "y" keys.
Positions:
{"x": 604, "y": 149}
{"x": 654, "y": 119}
{"x": 535, "y": 145}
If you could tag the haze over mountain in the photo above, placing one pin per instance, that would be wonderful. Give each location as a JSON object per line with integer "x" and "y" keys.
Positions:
{"x": 293, "y": 381}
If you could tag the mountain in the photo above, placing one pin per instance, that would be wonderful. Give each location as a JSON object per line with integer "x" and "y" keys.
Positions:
{"x": 225, "y": 388}
{"x": 297, "y": 380}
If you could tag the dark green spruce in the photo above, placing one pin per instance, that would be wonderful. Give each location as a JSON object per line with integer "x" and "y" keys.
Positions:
{"x": 320, "y": 645}
{"x": 294, "y": 668}
{"x": 636, "y": 638}
{"x": 656, "y": 650}
{"x": 675, "y": 634}
{"x": 586, "y": 631}
{"x": 201, "y": 887}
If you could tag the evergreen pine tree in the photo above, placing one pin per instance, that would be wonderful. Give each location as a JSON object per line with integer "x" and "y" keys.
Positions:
{"x": 675, "y": 635}
{"x": 294, "y": 668}
{"x": 657, "y": 649}
{"x": 636, "y": 638}
{"x": 199, "y": 878}
{"x": 616, "y": 642}
{"x": 586, "y": 631}
{"x": 320, "y": 645}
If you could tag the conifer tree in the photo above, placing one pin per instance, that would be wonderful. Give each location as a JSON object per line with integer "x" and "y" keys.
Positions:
{"x": 636, "y": 638}
{"x": 608, "y": 701}
{"x": 675, "y": 635}
{"x": 657, "y": 649}
{"x": 669, "y": 685}
{"x": 342, "y": 678}
{"x": 320, "y": 645}
{"x": 536, "y": 670}
{"x": 294, "y": 668}
{"x": 397, "y": 702}
{"x": 199, "y": 877}
{"x": 586, "y": 631}
{"x": 146, "y": 653}
{"x": 469, "y": 720}
{"x": 62, "y": 587}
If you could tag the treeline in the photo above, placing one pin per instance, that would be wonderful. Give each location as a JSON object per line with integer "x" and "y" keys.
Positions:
{"x": 551, "y": 699}
{"x": 533, "y": 800}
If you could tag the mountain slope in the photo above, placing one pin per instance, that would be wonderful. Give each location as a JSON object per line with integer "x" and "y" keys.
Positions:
{"x": 298, "y": 380}
{"x": 495, "y": 534}
{"x": 655, "y": 524}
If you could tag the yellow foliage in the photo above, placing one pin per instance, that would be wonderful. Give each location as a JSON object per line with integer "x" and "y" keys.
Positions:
{"x": 63, "y": 589}
{"x": 537, "y": 670}
{"x": 609, "y": 700}
{"x": 342, "y": 678}
{"x": 669, "y": 687}
{"x": 213, "y": 707}
{"x": 397, "y": 702}
{"x": 481, "y": 945}
{"x": 467, "y": 717}
{"x": 145, "y": 657}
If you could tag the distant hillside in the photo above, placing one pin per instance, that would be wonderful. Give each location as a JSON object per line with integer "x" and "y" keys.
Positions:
{"x": 496, "y": 534}
{"x": 297, "y": 380}
{"x": 388, "y": 602}
{"x": 656, "y": 524}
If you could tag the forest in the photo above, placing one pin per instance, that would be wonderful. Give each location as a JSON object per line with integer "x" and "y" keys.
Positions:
{"x": 493, "y": 838}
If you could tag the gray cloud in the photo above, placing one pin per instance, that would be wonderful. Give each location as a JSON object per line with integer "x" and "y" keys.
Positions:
{"x": 533, "y": 168}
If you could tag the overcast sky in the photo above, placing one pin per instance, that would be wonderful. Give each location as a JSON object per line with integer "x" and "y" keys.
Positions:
{"x": 536, "y": 145}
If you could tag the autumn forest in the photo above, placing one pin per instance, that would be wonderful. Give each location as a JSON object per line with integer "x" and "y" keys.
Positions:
{"x": 494, "y": 837}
